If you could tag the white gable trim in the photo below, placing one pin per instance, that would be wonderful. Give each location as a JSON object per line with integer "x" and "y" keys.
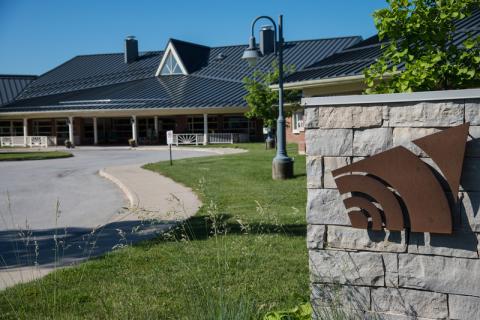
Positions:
{"x": 171, "y": 48}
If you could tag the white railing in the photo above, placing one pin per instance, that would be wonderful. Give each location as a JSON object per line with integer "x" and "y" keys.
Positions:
{"x": 29, "y": 141}
{"x": 188, "y": 138}
{"x": 213, "y": 138}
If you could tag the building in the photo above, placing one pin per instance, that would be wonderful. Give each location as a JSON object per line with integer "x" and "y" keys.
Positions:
{"x": 10, "y": 87}
{"x": 192, "y": 89}
{"x": 342, "y": 72}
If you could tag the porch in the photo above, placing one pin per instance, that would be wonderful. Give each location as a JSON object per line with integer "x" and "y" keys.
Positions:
{"x": 144, "y": 129}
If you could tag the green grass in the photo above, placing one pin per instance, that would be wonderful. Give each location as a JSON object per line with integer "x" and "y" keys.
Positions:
{"x": 242, "y": 255}
{"x": 42, "y": 155}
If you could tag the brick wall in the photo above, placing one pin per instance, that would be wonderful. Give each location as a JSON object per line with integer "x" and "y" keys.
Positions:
{"x": 298, "y": 138}
{"x": 382, "y": 274}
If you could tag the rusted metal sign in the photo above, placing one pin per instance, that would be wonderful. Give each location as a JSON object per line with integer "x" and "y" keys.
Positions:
{"x": 396, "y": 190}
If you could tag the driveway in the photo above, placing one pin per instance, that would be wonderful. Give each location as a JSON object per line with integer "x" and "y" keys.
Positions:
{"x": 89, "y": 220}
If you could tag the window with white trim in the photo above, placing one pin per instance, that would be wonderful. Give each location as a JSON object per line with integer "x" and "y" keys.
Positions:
{"x": 297, "y": 122}
{"x": 171, "y": 66}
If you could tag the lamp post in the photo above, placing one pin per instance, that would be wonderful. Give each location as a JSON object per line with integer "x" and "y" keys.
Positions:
{"x": 282, "y": 165}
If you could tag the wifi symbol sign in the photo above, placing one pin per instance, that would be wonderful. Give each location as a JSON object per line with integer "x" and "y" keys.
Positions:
{"x": 396, "y": 190}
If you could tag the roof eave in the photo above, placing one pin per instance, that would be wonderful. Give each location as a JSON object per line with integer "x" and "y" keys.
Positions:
{"x": 320, "y": 82}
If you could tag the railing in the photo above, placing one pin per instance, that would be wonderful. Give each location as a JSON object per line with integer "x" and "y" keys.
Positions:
{"x": 213, "y": 138}
{"x": 188, "y": 138}
{"x": 29, "y": 141}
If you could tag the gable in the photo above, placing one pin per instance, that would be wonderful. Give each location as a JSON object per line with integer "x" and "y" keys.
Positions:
{"x": 171, "y": 63}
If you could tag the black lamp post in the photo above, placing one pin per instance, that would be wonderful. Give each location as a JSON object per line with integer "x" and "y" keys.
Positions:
{"x": 282, "y": 165}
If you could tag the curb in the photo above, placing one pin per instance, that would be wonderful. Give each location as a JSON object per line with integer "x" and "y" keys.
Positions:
{"x": 131, "y": 196}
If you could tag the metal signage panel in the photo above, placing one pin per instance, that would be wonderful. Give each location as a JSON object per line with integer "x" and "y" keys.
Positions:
{"x": 396, "y": 190}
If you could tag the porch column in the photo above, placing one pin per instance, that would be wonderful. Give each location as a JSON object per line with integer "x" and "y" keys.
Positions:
{"x": 25, "y": 131}
{"x": 70, "y": 129}
{"x": 134, "y": 128}
{"x": 95, "y": 131}
{"x": 155, "y": 126}
{"x": 205, "y": 129}
{"x": 11, "y": 128}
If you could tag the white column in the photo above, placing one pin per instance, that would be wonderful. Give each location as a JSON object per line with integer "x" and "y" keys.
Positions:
{"x": 134, "y": 128}
{"x": 155, "y": 126}
{"x": 205, "y": 129}
{"x": 70, "y": 129}
{"x": 11, "y": 128}
{"x": 95, "y": 131}
{"x": 25, "y": 131}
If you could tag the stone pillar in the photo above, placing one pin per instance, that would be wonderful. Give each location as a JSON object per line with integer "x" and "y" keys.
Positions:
{"x": 205, "y": 129}
{"x": 390, "y": 274}
{"x": 70, "y": 130}
{"x": 134, "y": 128}
{"x": 25, "y": 131}
{"x": 95, "y": 131}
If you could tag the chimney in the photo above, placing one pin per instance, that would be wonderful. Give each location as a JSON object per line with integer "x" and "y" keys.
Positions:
{"x": 267, "y": 40}
{"x": 131, "y": 49}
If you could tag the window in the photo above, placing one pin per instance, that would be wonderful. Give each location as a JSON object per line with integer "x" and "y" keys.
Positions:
{"x": 61, "y": 126}
{"x": 195, "y": 124}
{"x": 171, "y": 66}
{"x": 297, "y": 122}
{"x": 5, "y": 128}
{"x": 42, "y": 127}
{"x": 11, "y": 128}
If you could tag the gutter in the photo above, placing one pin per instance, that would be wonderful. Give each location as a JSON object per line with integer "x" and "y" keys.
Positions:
{"x": 320, "y": 82}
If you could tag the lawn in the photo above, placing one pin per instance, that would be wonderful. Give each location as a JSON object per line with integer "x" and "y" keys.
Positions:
{"x": 242, "y": 255}
{"x": 41, "y": 155}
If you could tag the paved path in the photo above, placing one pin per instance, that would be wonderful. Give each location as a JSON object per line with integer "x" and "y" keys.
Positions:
{"x": 93, "y": 216}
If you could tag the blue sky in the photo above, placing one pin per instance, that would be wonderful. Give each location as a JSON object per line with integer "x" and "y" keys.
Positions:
{"x": 37, "y": 35}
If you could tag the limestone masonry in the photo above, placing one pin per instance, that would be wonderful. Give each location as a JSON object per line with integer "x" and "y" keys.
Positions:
{"x": 384, "y": 274}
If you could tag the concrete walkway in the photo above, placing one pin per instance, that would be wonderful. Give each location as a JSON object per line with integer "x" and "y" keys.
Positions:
{"x": 151, "y": 195}
{"x": 154, "y": 204}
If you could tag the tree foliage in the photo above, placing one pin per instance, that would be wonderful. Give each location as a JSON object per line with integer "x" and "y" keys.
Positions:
{"x": 263, "y": 101}
{"x": 418, "y": 53}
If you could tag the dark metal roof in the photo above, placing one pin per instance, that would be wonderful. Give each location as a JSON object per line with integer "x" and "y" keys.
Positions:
{"x": 211, "y": 81}
{"x": 354, "y": 59}
{"x": 12, "y": 85}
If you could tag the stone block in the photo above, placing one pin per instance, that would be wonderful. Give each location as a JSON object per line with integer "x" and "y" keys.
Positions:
{"x": 371, "y": 141}
{"x": 426, "y": 114}
{"x": 315, "y": 236}
{"x": 412, "y": 303}
{"x": 472, "y": 112}
{"x": 369, "y": 240}
{"x": 329, "y": 142}
{"x": 367, "y": 116}
{"x": 390, "y": 261}
{"x": 470, "y": 180}
{"x": 314, "y": 172}
{"x": 356, "y": 159}
{"x": 473, "y": 144}
{"x": 390, "y": 316}
{"x": 459, "y": 244}
{"x": 325, "y": 206}
{"x": 342, "y": 267}
{"x": 327, "y": 298}
{"x": 311, "y": 118}
{"x": 463, "y": 307}
{"x": 470, "y": 211}
{"x": 439, "y": 274}
{"x": 404, "y": 136}
{"x": 339, "y": 117}
{"x": 332, "y": 163}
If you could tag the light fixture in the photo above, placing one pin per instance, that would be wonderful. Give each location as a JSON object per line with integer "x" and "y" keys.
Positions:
{"x": 251, "y": 54}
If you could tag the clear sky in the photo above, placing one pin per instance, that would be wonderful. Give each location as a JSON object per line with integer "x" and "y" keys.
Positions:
{"x": 37, "y": 35}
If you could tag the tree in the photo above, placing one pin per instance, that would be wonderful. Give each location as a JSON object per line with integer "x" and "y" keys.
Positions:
{"x": 417, "y": 35}
{"x": 263, "y": 101}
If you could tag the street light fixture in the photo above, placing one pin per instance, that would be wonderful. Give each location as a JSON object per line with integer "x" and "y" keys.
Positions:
{"x": 282, "y": 165}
